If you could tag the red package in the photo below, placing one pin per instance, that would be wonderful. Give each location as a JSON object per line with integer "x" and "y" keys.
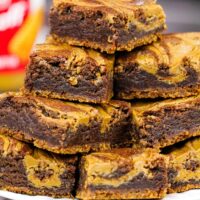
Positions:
{"x": 20, "y": 21}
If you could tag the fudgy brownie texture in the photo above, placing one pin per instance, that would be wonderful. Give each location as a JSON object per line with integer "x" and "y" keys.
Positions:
{"x": 70, "y": 73}
{"x": 184, "y": 167}
{"x": 168, "y": 68}
{"x": 163, "y": 123}
{"x": 65, "y": 127}
{"x": 123, "y": 174}
{"x": 107, "y": 25}
{"x": 28, "y": 170}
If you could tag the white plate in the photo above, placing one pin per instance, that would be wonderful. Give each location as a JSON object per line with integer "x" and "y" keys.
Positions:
{"x": 190, "y": 195}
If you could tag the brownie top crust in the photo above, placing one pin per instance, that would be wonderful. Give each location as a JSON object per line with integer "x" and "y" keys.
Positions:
{"x": 140, "y": 108}
{"x": 75, "y": 54}
{"x": 112, "y": 5}
{"x": 110, "y": 9}
{"x": 169, "y": 59}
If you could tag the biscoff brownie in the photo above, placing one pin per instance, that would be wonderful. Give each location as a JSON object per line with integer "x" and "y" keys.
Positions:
{"x": 70, "y": 73}
{"x": 166, "y": 122}
{"x": 123, "y": 174}
{"x": 168, "y": 68}
{"x": 184, "y": 166}
{"x": 65, "y": 127}
{"x": 28, "y": 170}
{"x": 107, "y": 25}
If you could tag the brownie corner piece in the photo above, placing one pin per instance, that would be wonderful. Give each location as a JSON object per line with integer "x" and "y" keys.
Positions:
{"x": 70, "y": 73}
{"x": 184, "y": 166}
{"x": 27, "y": 170}
{"x": 163, "y": 123}
{"x": 107, "y": 25}
{"x": 123, "y": 174}
{"x": 65, "y": 127}
{"x": 161, "y": 69}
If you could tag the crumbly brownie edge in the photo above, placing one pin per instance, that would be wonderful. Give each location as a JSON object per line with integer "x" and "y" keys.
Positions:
{"x": 110, "y": 49}
{"x": 65, "y": 96}
{"x": 59, "y": 150}
{"x": 141, "y": 194}
{"x": 24, "y": 190}
{"x": 183, "y": 187}
{"x": 162, "y": 93}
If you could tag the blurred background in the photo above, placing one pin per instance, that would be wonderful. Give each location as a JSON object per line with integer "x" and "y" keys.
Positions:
{"x": 25, "y": 22}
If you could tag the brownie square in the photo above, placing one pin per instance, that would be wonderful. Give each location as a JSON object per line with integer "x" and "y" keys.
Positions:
{"x": 65, "y": 127}
{"x": 28, "y": 170}
{"x": 184, "y": 166}
{"x": 123, "y": 174}
{"x": 163, "y": 123}
{"x": 70, "y": 73}
{"x": 107, "y": 25}
{"x": 168, "y": 68}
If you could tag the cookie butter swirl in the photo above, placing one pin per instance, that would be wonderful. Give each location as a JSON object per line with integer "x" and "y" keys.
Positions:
{"x": 9, "y": 146}
{"x": 43, "y": 170}
{"x": 186, "y": 161}
{"x": 171, "y": 60}
{"x": 72, "y": 115}
{"x": 139, "y": 13}
{"x": 117, "y": 4}
{"x": 74, "y": 61}
{"x": 116, "y": 168}
{"x": 76, "y": 115}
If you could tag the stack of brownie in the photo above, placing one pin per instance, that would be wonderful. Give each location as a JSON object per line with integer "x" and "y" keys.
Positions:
{"x": 110, "y": 107}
